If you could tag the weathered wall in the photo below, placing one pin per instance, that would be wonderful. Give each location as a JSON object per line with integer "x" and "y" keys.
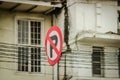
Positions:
{"x": 92, "y": 16}
{"x": 82, "y": 62}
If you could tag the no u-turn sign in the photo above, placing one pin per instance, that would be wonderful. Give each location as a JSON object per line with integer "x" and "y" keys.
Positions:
{"x": 53, "y": 45}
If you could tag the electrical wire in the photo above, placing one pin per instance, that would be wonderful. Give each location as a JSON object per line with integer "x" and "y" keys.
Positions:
{"x": 69, "y": 59}
{"x": 79, "y": 57}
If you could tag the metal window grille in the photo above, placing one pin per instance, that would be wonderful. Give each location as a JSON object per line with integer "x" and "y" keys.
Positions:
{"x": 118, "y": 2}
{"x": 118, "y": 30}
{"x": 119, "y": 62}
{"x": 29, "y": 34}
{"x": 98, "y": 61}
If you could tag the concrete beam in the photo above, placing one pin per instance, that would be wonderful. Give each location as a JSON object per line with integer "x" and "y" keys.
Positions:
{"x": 39, "y": 3}
{"x": 12, "y": 9}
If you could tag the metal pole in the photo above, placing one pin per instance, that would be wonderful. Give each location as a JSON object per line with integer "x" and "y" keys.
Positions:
{"x": 65, "y": 68}
{"x": 56, "y": 72}
{"x": 66, "y": 35}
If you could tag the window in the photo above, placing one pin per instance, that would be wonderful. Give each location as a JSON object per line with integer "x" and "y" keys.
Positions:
{"x": 119, "y": 61}
{"x": 29, "y": 41}
{"x": 118, "y": 22}
{"x": 98, "y": 61}
{"x": 118, "y": 2}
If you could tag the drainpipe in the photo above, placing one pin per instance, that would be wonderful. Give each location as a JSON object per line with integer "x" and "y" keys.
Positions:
{"x": 66, "y": 35}
{"x": 66, "y": 25}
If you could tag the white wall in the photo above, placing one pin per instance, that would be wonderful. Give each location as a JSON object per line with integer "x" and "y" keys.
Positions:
{"x": 106, "y": 17}
{"x": 84, "y": 61}
{"x": 111, "y": 62}
{"x": 85, "y": 17}
{"x": 92, "y": 16}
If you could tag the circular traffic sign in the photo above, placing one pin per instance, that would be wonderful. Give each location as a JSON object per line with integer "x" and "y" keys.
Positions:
{"x": 53, "y": 45}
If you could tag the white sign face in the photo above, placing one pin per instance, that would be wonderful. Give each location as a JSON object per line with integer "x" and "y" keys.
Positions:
{"x": 53, "y": 45}
{"x": 51, "y": 51}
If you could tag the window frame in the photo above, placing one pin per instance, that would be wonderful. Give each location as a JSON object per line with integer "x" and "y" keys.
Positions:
{"x": 29, "y": 19}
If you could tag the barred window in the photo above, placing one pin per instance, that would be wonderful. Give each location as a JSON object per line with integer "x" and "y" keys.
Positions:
{"x": 119, "y": 62}
{"x": 118, "y": 29}
{"x": 29, "y": 41}
{"x": 98, "y": 61}
{"x": 118, "y": 2}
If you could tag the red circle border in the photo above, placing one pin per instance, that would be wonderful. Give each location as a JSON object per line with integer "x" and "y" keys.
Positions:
{"x": 57, "y": 29}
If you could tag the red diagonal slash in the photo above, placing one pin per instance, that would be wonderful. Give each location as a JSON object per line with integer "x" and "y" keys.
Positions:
{"x": 53, "y": 45}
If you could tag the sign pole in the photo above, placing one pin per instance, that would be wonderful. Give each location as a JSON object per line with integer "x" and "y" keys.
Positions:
{"x": 56, "y": 76}
{"x": 53, "y": 46}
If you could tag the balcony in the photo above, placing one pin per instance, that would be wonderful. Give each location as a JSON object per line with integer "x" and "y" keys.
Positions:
{"x": 99, "y": 38}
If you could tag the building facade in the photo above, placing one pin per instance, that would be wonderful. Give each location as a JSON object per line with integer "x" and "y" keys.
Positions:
{"x": 94, "y": 40}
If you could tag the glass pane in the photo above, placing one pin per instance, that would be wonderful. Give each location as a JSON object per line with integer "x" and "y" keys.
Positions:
{"x": 39, "y": 25}
{"x": 36, "y": 69}
{"x": 32, "y": 69}
{"x": 26, "y": 68}
{"x": 39, "y": 30}
{"x": 39, "y": 36}
{"x": 39, "y": 69}
{"x": 35, "y": 62}
{"x": 35, "y": 32}
{"x": 22, "y": 31}
{"x": 98, "y": 72}
{"x": 35, "y": 36}
{"x": 96, "y": 59}
{"x": 22, "y": 59}
{"x": 35, "y": 59}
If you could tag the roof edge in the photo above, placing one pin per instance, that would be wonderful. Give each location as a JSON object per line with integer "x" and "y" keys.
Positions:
{"x": 41, "y": 3}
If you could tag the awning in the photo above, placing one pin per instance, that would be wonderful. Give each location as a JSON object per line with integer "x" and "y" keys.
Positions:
{"x": 28, "y": 6}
